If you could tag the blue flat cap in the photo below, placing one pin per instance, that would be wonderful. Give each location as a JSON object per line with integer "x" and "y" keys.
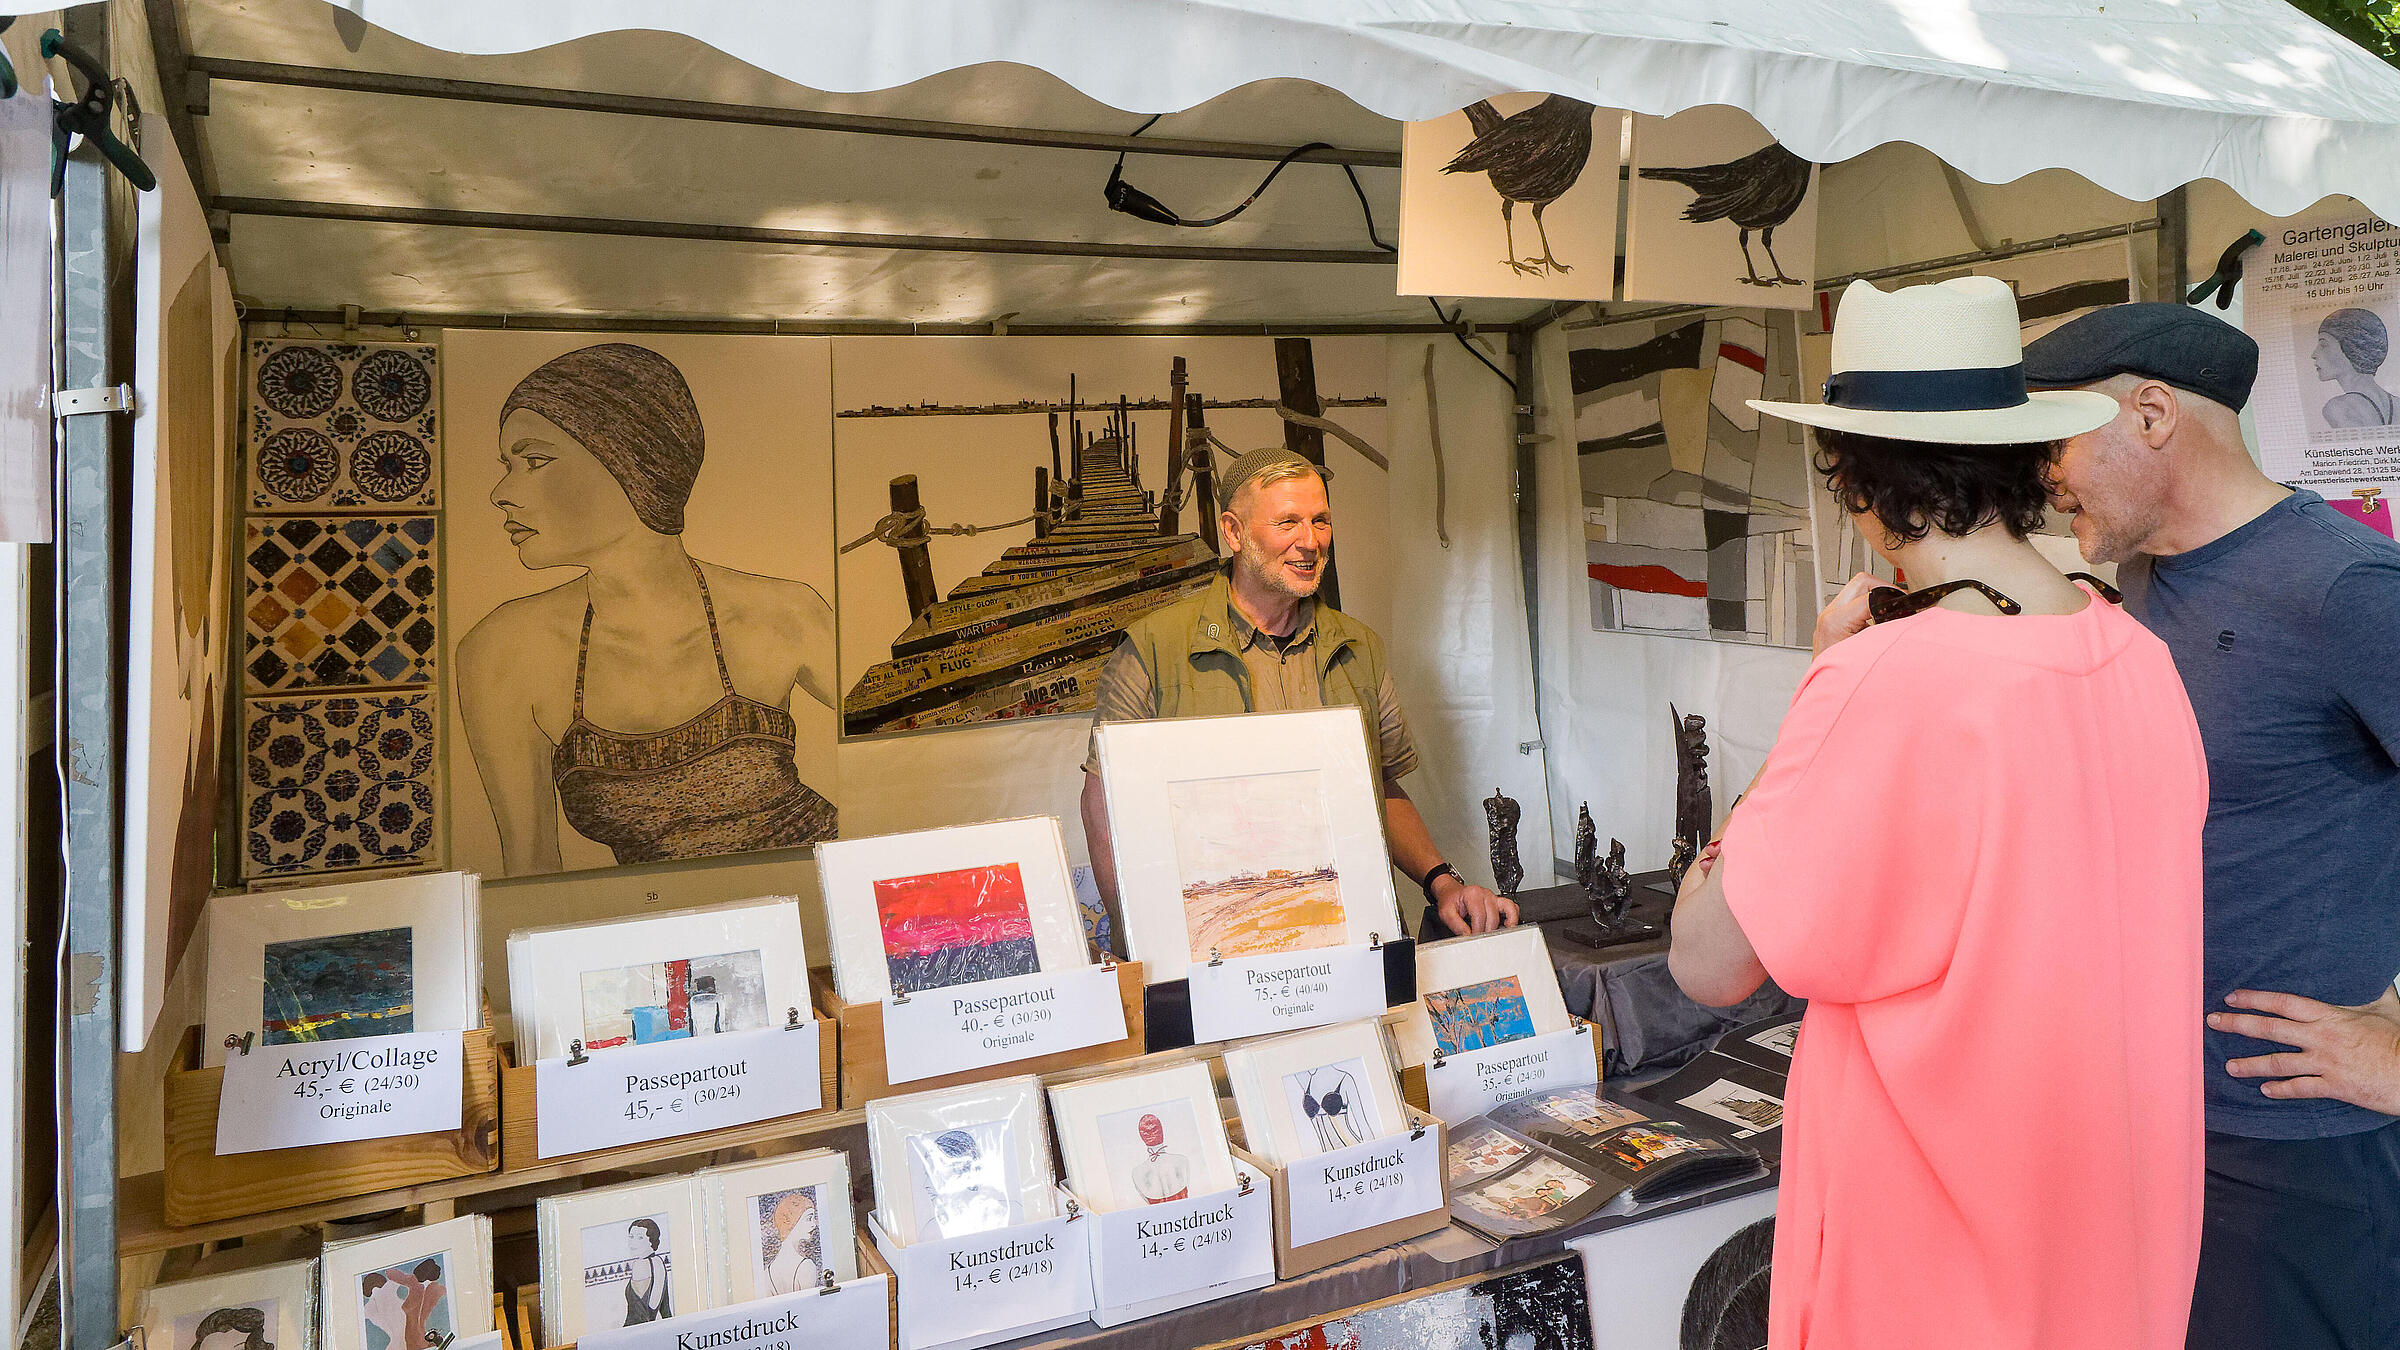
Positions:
{"x": 2173, "y": 344}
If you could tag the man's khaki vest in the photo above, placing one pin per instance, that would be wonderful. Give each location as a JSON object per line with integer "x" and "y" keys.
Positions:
{"x": 1188, "y": 648}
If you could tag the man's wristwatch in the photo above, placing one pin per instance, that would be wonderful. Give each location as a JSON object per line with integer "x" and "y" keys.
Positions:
{"x": 1438, "y": 870}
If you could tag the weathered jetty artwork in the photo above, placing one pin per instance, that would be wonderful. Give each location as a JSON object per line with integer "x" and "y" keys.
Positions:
{"x": 1113, "y": 538}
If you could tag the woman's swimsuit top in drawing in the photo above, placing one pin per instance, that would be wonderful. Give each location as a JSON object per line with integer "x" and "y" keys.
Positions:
{"x": 723, "y": 782}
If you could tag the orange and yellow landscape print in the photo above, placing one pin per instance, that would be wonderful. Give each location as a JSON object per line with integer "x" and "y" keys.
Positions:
{"x": 1254, "y": 856}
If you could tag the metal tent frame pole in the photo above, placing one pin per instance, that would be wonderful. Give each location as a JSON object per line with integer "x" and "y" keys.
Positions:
{"x": 91, "y": 676}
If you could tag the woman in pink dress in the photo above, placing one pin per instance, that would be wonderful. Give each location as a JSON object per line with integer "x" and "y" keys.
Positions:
{"x": 1975, "y": 849}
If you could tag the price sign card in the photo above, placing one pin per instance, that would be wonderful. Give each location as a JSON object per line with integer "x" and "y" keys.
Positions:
{"x": 990, "y": 1287}
{"x": 1474, "y": 1081}
{"x": 322, "y": 1092}
{"x": 633, "y": 1094}
{"x": 1260, "y": 995}
{"x": 1149, "y": 1255}
{"x": 1355, "y": 1188}
{"x": 966, "y": 1026}
{"x": 852, "y": 1316}
{"x": 489, "y": 1340}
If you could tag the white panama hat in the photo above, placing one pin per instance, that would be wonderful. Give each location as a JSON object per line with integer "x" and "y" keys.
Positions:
{"x": 1942, "y": 363}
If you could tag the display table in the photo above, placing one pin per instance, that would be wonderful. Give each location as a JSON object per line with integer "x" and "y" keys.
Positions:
{"x": 1646, "y": 1023}
{"x": 1421, "y": 1263}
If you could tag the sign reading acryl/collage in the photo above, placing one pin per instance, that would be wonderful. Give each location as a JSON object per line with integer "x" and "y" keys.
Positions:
{"x": 323, "y": 1092}
{"x": 943, "y": 1031}
{"x": 1474, "y": 1081}
{"x": 1260, "y": 995}
{"x": 1350, "y": 1189}
{"x": 856, "y": 1315}
{"x": 636, "y": 1093}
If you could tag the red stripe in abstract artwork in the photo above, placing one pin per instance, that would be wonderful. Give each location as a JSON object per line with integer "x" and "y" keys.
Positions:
{"x": 1648, "y": 578}
{"x": 1742, "y": 356}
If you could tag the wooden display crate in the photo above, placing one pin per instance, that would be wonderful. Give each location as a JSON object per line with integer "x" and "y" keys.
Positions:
{"x": 864, "y": 1071}
{"x": 519, "y": 1140}
{"x": 1292, "y": 1261}
{"x": 202, "y": 1187}
{"x": 870, "y": 1262}
{"x": 1412, "y": 1076}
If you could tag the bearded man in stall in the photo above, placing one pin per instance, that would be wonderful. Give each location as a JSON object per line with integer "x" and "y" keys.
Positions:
{"x": 1259, "y": 640}
{"x": 2283, "y": 616}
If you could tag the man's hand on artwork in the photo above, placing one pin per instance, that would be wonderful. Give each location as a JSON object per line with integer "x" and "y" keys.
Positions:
{"x": 1472, "y": 909}
{"x": 1845, "y": 615}
{"x": 2350, "y": 1054}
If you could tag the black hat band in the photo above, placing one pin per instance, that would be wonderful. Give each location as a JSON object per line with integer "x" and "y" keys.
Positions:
{"x": 1975, "y": 389}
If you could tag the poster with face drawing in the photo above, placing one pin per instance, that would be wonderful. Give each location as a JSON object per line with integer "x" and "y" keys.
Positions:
{"x": 639, "y": 589}
{"x": 2322, "y": 298}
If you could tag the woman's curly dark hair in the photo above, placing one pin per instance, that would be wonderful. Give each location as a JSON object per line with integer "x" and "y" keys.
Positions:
{"x": 1914, "y": 487}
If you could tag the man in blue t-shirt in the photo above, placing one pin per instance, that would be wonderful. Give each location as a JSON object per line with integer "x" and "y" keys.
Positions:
{"x": 2283, "y": 616}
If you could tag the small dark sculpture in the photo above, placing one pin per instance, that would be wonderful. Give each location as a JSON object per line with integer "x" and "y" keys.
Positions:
{"x": 1587, "y": 847}
{"x": 1611, "y": 888}
{"x": 1501, "y": 813}
{"x": 1608, "y": 889}
{"x": 1695, "y": 806}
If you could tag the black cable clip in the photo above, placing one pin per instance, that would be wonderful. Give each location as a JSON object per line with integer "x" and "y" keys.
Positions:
{"x": 88, "y": 117}
{"x": 575, "y": 1054}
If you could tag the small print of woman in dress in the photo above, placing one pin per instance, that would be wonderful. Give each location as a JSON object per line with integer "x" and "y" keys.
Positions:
{"x": 646, "y": 1276}
{"x": 2351, "y": 347}
{"x": 646, "y": 700}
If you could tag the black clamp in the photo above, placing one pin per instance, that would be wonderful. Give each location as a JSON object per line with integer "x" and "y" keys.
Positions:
{"x": 825, "y": 1284}
{"x": 2228, "y": 273}
{"x": 240, "y": 1042}
{"x": 89, "y": 117}
{"x": 1439, "y": 1061}
{"x": 575, "y": 1054}
{"x": 791, "y": 1019}
{"x": 1416, "y": 1133}
{"x": 1214, "y": 960}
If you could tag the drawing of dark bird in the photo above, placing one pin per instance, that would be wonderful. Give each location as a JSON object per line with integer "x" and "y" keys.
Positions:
{"x": 1532, "y": 157}
{"x": 1758, "y": 192}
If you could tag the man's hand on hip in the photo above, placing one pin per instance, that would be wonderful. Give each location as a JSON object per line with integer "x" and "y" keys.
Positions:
{"x": 1472, "y": 909}
{"x": 2348, "y": 1054}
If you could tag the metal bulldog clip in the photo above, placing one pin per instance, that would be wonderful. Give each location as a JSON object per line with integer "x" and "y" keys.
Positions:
{"x": 240, "y": 1042}
{"x": 575, "y": 1054}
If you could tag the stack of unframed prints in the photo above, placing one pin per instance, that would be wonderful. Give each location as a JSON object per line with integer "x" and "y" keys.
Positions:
{"x": 1245, "y": 836}
{"x": 257, "y": 1309}
{"x": 661, "y": 977}
{"x": 961, "y": 1161}
{"x": 934, "y": 908}
{"x": 408, "y": 1289}
{"x": 328, "y": 963}
{"x": 1312, "y": 1092}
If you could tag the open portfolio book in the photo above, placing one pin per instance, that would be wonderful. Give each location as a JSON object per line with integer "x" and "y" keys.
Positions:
{"x": 1547, "y": 1160}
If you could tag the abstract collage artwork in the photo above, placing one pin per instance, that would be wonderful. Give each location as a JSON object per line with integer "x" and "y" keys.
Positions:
{"x": 337, "y": 783}
{"x": 1695, "y": 507}
{"x": 351, "y": 424}
{"x": 956, "y": 927}
{"x": 337, "y": 602}
{"x": 1545, "y": 1306}
{"x": 670, "y": 1000}
{"x": 340, "y": 986}
{"x": 1474, "y": 1016}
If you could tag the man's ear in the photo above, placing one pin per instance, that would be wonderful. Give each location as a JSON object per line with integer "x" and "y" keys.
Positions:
{"x": 1229, "y": 531}
{"x": 2157, "y": 410}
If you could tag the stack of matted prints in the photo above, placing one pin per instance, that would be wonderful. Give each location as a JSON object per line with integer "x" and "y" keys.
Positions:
{"x": 1143, "y": 1138}
{"x": 1310, "y": 1092}
{"x": 930, "y": 909}
{"x": 329, "y": 963}
{"x": 1476, "y": 992}
{"x": 1245, "y": 836}
{"x": 403, "y": 1290}
{"x": 643, "y": 1252}
{"x": 961, "y": 1160}
{"x": 660, "y": 977}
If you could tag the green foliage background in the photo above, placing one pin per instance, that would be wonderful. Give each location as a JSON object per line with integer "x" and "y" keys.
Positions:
{"x": 2372, "y": 24}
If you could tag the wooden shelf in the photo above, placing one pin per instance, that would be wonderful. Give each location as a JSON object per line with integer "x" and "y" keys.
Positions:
{"x": 141, "y": 1200}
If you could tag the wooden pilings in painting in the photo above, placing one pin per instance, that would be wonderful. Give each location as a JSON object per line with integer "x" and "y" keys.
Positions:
{"x": 916, "y": 561}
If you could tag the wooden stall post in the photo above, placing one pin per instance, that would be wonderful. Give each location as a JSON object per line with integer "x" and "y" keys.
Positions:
{"x": 1204, "y": 472}
{"x": 1296, "y": 386}
{"x": 1041, "y": 496}
{"x": 1168, "y": 516}
{"x": 916, "y": 563}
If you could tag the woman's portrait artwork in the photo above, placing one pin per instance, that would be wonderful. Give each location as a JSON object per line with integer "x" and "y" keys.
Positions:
{"x": 2351, "y": 347}
{"x": 630, "y": 1289}
{"x": 402, "y": 1305}
{"x": 655, "y": 682}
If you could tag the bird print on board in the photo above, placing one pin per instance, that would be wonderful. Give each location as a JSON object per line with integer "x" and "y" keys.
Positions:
{"x": 1758, "y": 192}
{"x": 1533, "y": 157}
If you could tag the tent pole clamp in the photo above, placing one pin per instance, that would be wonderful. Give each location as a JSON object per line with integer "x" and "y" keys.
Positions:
{"x": 104, "y": 399}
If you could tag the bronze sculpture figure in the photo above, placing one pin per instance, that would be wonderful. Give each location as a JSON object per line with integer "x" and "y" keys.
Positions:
{"x": 1500, "y": 813}
{"x": 1695, "y": 806}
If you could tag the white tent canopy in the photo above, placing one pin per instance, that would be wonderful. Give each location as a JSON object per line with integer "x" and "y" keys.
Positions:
{"x": 2139, "y": 96}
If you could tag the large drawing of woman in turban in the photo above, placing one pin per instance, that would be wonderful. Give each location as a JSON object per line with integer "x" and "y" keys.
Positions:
{"x": 2351, "y": 347}
{"x": 646, "y": 700}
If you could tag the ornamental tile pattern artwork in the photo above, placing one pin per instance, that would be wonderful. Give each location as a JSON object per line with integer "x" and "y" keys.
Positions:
{"x": 342, "y": 424}
{"x": 338, "y": 783}
{"x": 338, "y": 601}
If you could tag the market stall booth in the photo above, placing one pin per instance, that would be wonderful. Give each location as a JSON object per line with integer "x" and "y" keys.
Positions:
{"x": 888, "y": 401}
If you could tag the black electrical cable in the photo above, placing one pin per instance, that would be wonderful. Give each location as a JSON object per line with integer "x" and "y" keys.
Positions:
{"x": 1472, "y": 349}
{"x": 1125, "y": 197}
